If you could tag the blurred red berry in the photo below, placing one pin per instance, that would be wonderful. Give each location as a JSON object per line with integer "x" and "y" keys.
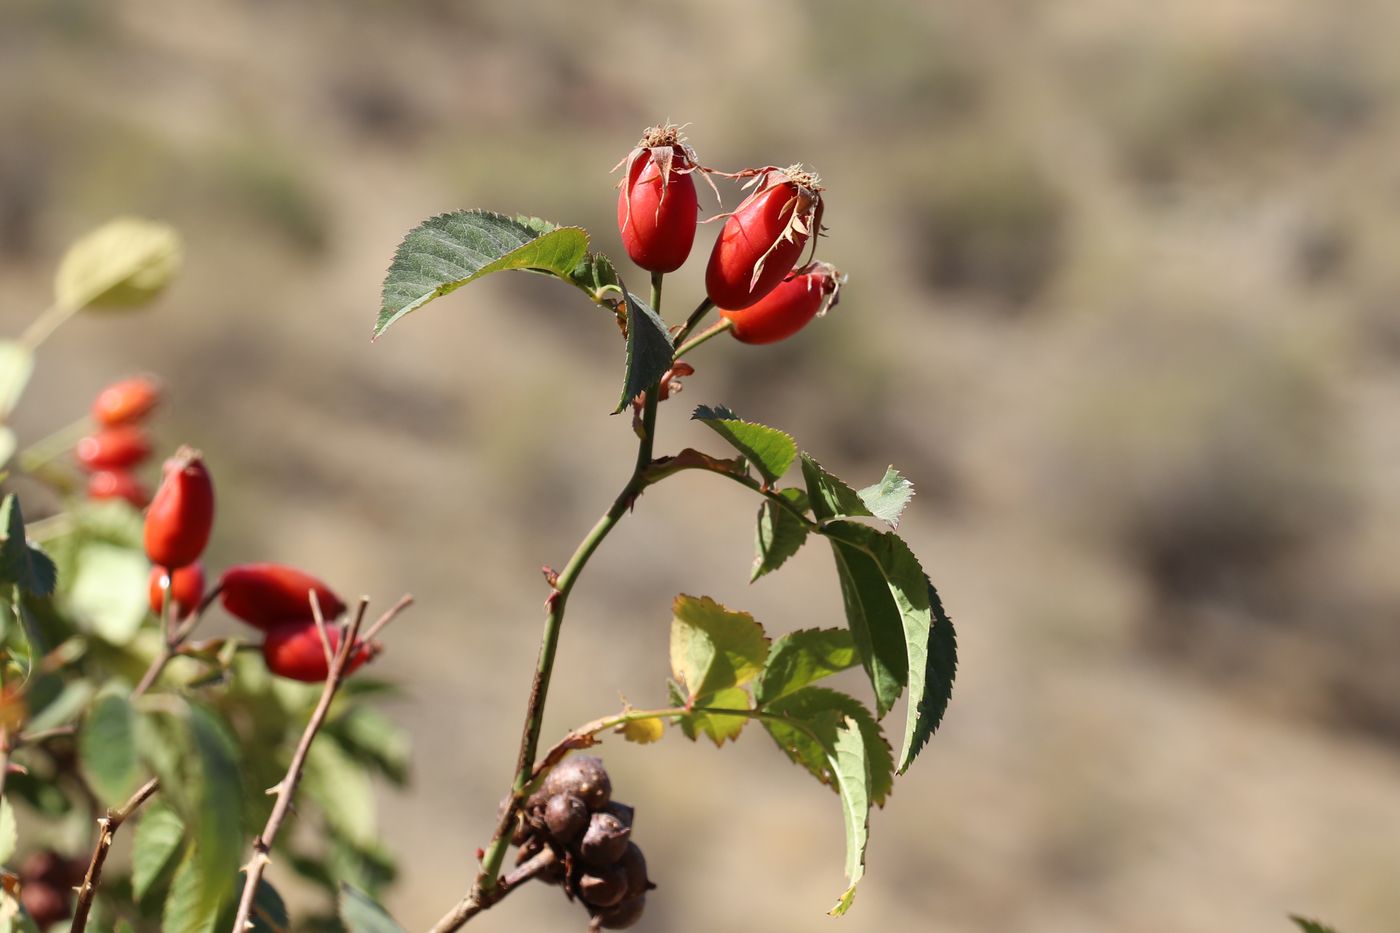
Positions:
{"x": 47, "y": 880}
{"x": 126, "y": 401}
{"x": 115, "y": 448}
{"x": 294, "y": 650}
{"x": 804, "y": 294}
{"x": 186, "y": 586}
{"x": 265, "y": 594}
{"x": 118, "y": 484}
{"x": 763, "y": 239}
{"x": 657, "y": 208}
{"x": 182, "y": 514}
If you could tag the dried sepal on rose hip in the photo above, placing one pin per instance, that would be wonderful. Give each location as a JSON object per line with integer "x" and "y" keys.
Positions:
{"x": 265, "y": 594}
{"x": 181, "y": 515}
{"x": 295, "y": 650}
{"x": 185, "y": 585}
{"x": 763, "y": 238}
{"x": 657, "y": 207}
{"x": 126, "y": 401}
{"x": 804, "y": 294}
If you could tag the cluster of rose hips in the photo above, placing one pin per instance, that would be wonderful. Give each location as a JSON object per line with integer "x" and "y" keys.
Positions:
{"x": 273, "y": 598}
{"x": 46, "y": 883}
{"x": 120, "y": 445}
{"x": 587, "y": 836}
{"x": 751, "y": 276}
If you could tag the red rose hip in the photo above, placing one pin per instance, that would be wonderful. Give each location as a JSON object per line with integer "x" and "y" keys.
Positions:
{"x": 186, "y": 587}
{"x": 657, "y": 208}
{"x": 126, "y": 401}
{"x": 807, "y": 293}
{"x": 763, "y": 239}
{"x": 181, "y": 516}
{"x": 294, "y": 650}
{"x": 117, "y": 484}
{"x": 115, "y": 448}
{"x": 265, "y": 594}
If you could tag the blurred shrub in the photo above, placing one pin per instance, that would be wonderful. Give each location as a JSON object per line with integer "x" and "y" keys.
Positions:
{"x": 1179, "y": 111}
{"x": 1209, "y": 452}
{"x": 275, "y": 190}
{"x": 988, "y": 223}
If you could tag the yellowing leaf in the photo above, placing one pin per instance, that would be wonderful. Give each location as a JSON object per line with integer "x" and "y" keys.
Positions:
{"x": 643, "y": 731}
{"x": 714, "y": 648}
{"x": 123, "y": 263}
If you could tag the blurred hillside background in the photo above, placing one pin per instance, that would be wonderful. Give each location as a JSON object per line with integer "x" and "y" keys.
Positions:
{"x": 1124, "y": 304}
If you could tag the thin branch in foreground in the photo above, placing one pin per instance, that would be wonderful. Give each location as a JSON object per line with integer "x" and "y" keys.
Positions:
{"x": 469, "y": 907}
{"x": 107, "y": 828}
{"x": 285, "y": 789}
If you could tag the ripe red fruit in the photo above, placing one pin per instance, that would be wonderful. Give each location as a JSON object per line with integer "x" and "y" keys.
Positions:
{"x": 186, "y": 586}
{"x": 265, "y": 594}
{"x": 118, "y": 484}
{"x": 763, "y": 238}
{"x": 46, "y": 882}
{"x": 126, "y": 401}
{"x": 294, "y": 650}
{"x": 182, "y": 514}
{"x": 803, "y": 295}
{"x": 657, "y": 208}
{"x": 113, "y": 448}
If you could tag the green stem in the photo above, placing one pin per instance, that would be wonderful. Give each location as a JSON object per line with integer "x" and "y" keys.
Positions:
{"x": 47, "y": 449}
{"x": 694, "y": 320}
{"x": 713, "y": 332}
{"x": 486, "y": 881}
{"x": 44, "y": 325}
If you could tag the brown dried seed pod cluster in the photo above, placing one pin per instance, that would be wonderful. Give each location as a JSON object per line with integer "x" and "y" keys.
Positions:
{"x": 574, "y": 816}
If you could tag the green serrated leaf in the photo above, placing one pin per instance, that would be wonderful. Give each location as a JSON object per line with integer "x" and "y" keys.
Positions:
{"x": 446, "y": 252}
{"x": 649, "y": 349}
{"x": 16, "y": 366}
{"x": 804, "y": 657}
{"x": 154, "y": 845}
{"x": 370, "y": 737}
{"x": 718, "y": 726}
{"x": 123, "y": 263}
{"x": 887, "y": 498}
{"x": 874, "y": 618}
{"x": 269, "y": 913}
{"x": 831, "y": 497}
{"x": 343, "y": 792}
{"x": 42, "y": 796}
{"x": 852, "y": 770}
{"x": 940, "y": 669}
{"x": 9, "y": 832}
{"x": 360, "y": 914}
{"x": 110, "y": 591}
{"x": 780, "y": 533}
{"x": 63, "y": 708}
{"x": 218, "y": 837}
{"x": 107, "y": 748}
{"x": 713, "y": 648}
{"x": 1310, "y": 926}
{"x": 597, "y": 276}
{"x": 805, "y": 732}
{"x": 193, "y": 904}
{"x": 889, "y": 606}
{"x": 770, "y": 451}
{"x": 21, "y": 563}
